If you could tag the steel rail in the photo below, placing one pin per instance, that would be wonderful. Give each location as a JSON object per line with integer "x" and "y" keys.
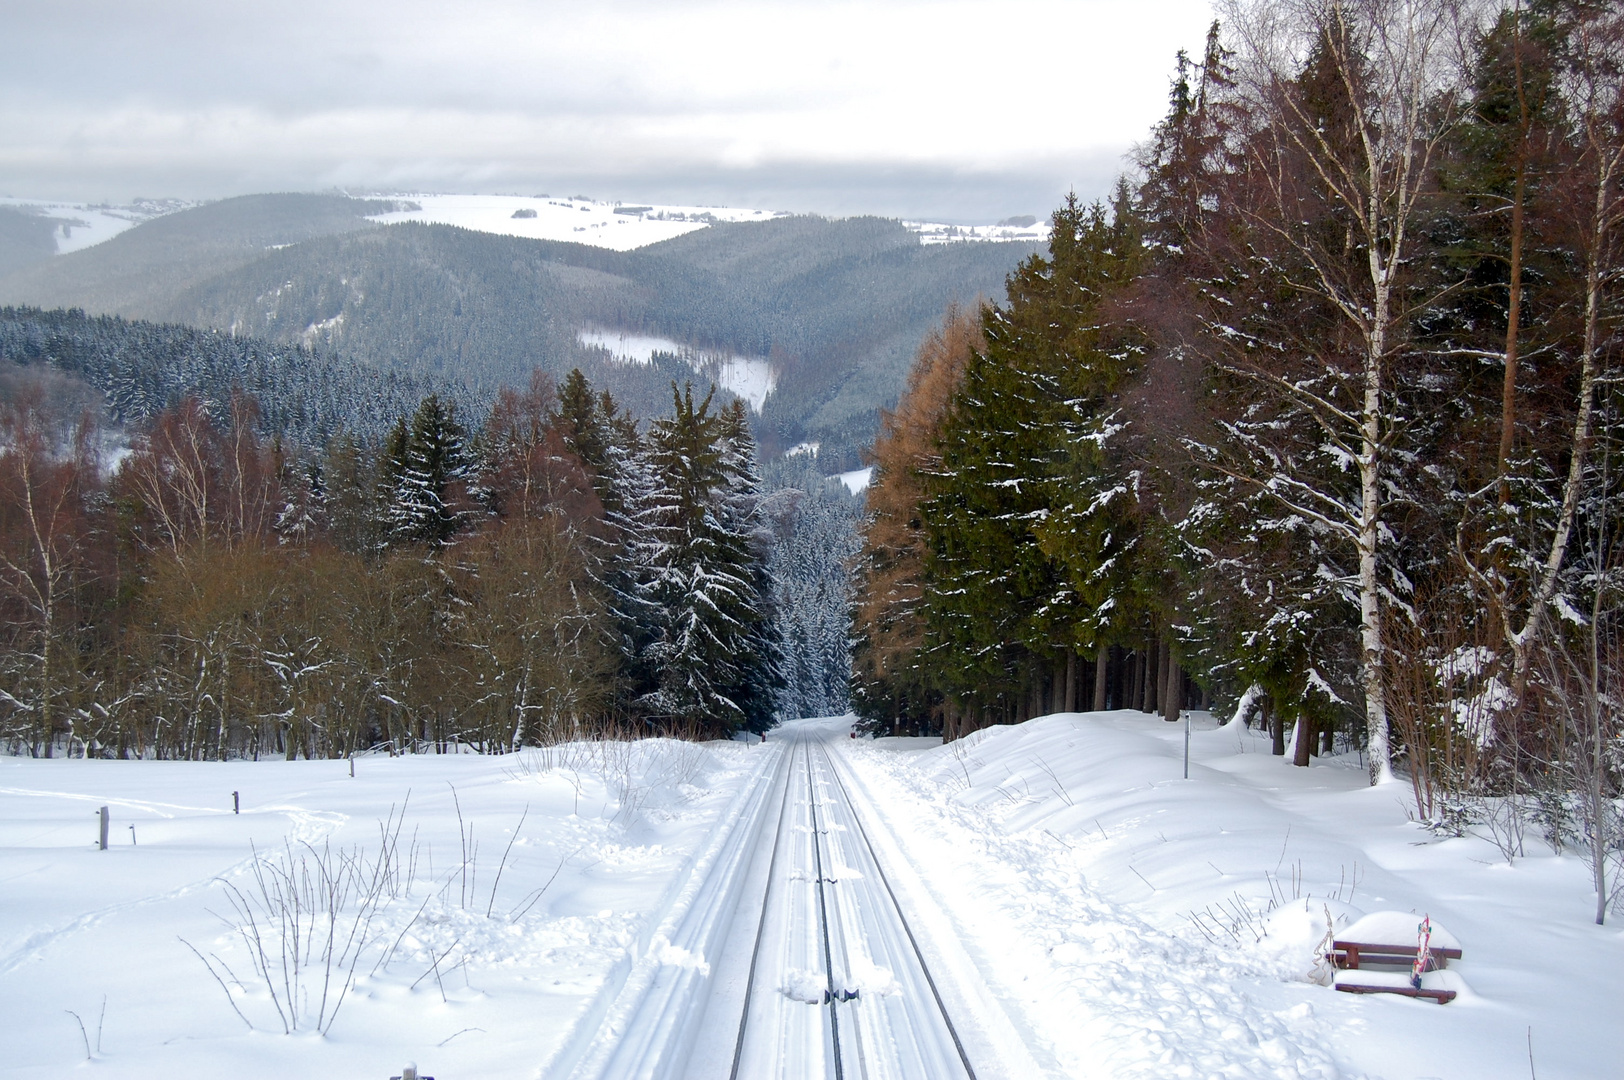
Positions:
{"x": 901, "y": 917}
{"x": 823, "y": 920}
{"x": 761, "y": 924}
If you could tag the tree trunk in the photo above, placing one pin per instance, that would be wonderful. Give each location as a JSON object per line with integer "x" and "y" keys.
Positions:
{"x": 1523, "y": 641}
{"x": 1102, "y": 663}
{"x": 1070, "y": 700}
{"x": 1302, "y": 741}
{"x": 1172, "y": 688}
{"x": 1277, "y": 729}
{"x": 1156, "y": 663}
{"x": 1373, "y": 644}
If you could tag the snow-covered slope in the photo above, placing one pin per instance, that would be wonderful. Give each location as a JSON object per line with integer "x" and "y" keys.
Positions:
{"x": 617, "y": 226}
{"x": 1071, "y": 853}
{"x": 81, "y": 225}
{"x": 748, "y": 377}
{"x": 624, "y": 226}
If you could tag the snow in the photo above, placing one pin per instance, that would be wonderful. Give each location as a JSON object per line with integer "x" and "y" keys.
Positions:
{"x": 484, "y": 975}
{"x": 583, "y": 221}
{"x": 804, "y": 986}
{"x": 83, "y": 225}
{"x": 857, "y": 479}
{"x": 1075, "y": 864}
{"x": 627, "y": 347}
{"x": 1395, "y": 928}
{"x": 1128, "y": 922}
{"x": 748, "y": 377}
{"x": 588, "y": 221}
{"x": 939, "y": 233}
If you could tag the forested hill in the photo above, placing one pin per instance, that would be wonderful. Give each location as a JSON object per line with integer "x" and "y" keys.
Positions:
{"x": 135, "y": 273}
{"x": 144, "y": 368}
{"x": 837, "y": 306}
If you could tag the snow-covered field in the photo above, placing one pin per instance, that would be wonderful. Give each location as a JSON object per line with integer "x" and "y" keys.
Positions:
{"x": 1066, "y": 856}
{"x": 1071, "y": 854}
{"x": 471, "y": 957}
{"x": 618, "y": 226}
{"x": 748, "y": 377}
{"x": 624, "y": 226}
{"x": 856, "y": 480}
{"x": 82, "y": 225}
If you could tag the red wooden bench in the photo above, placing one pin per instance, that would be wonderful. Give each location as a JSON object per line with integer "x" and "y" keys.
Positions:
{"x": 1376, "y": 955}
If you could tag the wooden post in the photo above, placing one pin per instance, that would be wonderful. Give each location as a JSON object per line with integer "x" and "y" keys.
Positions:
{"x": 104, "y": 828}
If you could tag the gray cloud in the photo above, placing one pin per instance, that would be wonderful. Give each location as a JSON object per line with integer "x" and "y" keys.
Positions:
{"x": 963, "y": 111}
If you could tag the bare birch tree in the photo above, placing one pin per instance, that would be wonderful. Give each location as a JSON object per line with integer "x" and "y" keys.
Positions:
{"x": 1350, "y": 106}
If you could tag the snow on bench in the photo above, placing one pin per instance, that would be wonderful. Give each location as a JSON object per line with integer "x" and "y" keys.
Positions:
{"x": 1390, "y": 939}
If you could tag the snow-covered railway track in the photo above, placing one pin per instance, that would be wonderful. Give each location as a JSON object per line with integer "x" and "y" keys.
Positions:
{"x": 826, "y": 979}
{"x": 817, "y": 964}
{"x": 898, "y": 1025}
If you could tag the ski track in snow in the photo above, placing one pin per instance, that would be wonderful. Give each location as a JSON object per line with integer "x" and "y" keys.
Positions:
{"x": 1114, "y": 996}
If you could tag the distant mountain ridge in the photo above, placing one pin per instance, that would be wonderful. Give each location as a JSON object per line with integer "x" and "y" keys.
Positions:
{"x": 838, "y": 307}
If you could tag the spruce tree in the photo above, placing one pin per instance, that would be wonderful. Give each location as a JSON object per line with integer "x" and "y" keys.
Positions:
{"x": 432, "y": 498}
{"x": 702, "y": 576}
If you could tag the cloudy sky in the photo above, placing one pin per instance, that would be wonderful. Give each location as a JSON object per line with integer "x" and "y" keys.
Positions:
{"x": 950, "y": 111}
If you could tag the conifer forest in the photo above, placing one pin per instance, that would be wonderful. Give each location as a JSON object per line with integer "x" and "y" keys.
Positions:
{"x": 1318, "y": 418}
{"x": 554, "y": 571}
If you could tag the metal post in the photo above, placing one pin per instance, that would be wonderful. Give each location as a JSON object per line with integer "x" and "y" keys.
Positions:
{"x": 1186, "y": 744}
{"x": 132, "y": 835}
{"x": 104, "y": 828}
{"x": 236, "y": 804}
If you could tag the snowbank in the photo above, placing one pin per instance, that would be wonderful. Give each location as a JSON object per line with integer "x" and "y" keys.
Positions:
{"x": 1152, "y": 926}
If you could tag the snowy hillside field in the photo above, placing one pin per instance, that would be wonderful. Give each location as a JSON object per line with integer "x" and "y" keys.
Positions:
{"x": 625, "y": 226}
{"x": 1066, "y": 856}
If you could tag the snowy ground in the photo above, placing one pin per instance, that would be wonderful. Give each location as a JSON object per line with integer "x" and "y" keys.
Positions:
{"x": 1049, "y": 870}
{"x": 1070, "y": 854}
{"x": 462, "y": 983}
